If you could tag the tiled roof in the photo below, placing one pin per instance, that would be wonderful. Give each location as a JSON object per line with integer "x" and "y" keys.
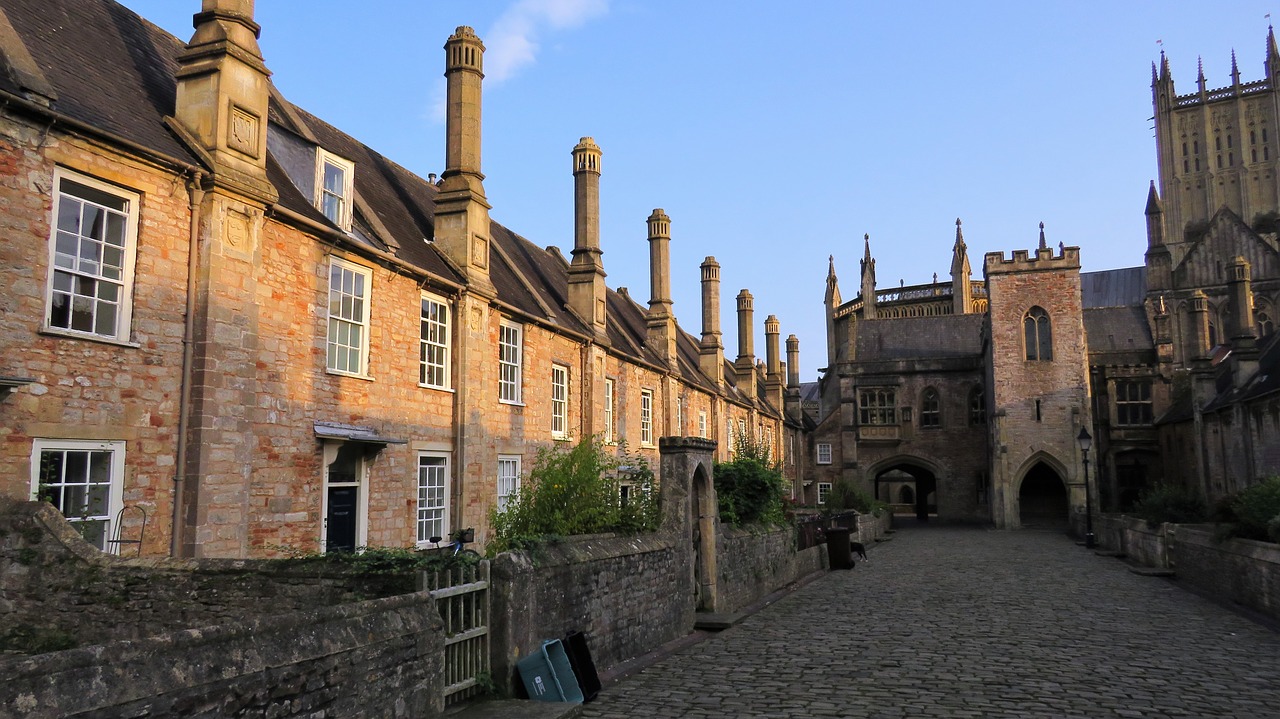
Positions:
{"x": 109, "y": 68}
{"x": 1125, "y": 287}
{"x": 1117, "y": 329}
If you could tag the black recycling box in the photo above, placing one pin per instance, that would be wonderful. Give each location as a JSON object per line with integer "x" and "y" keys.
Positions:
{"x": 575, "y": 645}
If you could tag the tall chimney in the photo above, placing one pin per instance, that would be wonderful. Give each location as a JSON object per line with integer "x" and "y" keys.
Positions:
{"x": 793, "y": 362}
{"x": 1199, "y": 315}
{"x": 222, "y": 96}
{"x": 744, "y": 367}
{"x": 586, "y": 271}
{"x": 661, "y": 321}
{"x": 773, "y": 382}
{"x": 710, "y": 351}
{"x": 1244, "y": 344}
{"x": 462, "y": 211}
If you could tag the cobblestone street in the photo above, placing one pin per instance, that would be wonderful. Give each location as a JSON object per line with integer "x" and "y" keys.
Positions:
{"x": 949, "y": 622}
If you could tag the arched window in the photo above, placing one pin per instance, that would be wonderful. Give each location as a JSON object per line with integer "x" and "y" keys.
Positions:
{"x": 1265, "y": 324}
{"x": 930, "y": 409}
{"x": 1038, "y": 334}
{"x": 977, "y": 406}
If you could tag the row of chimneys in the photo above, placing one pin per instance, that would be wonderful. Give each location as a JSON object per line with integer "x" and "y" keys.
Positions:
{"x": 1240, "y": 330}
{"x": 222, "y": 99}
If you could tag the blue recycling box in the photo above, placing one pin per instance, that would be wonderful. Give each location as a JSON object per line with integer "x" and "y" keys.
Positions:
{"x": 548, "y": 676}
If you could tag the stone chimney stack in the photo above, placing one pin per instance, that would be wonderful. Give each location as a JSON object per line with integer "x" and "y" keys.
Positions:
{"x": 661, "y": 321}
{"x": 1244, "y": 344}
{"x": 710, "y": 351}
{"x": 222, "y": 94}
{"x": 586, "y": 271}
{"x": 462, "y": 211}
{"x": 791, "y": 401}
{"x": 744, "y": 367}
{"x": 773, "y": 382}
{"x": 1199, "y": 340}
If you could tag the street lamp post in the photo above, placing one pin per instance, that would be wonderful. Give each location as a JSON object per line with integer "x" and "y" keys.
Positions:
{"x": 1086, "y": 442}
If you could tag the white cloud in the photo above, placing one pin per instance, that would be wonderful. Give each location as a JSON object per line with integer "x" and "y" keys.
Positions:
{"x": 512, "y": 43}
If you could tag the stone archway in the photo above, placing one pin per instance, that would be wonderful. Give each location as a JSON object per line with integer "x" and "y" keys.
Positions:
{"x": 902, "y": 477}
{"x": 690, "y": 513}
{"x": 1043, "y": 501}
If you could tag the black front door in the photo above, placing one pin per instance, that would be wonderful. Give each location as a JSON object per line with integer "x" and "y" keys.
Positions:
{"x": 340, "y": 524}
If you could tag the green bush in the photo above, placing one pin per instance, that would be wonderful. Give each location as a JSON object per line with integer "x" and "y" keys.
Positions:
{"x": 583, "y": 490}
{"x": 749, "y": 489}
{"x": 847, "y": 495}
{"x": 1171, "y": 504}
{"x": 1250, "y": 513}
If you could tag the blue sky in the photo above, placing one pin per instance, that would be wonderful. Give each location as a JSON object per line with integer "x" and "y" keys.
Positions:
{"x": 777, "y": 135}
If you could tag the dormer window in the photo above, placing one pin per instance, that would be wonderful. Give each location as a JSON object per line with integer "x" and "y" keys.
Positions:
{"x": 334, "y": 193}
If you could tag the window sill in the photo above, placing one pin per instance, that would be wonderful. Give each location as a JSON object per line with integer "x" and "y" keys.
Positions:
{"x": 352, "y": 375}
{"x": 512, "y": 402}
{"x": 450, "y": 390}
{"x": 73, "y": 335}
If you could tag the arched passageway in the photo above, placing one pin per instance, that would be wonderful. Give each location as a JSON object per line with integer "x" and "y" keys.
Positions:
{"x": 905, "y": 485}
{"x": 1042, "y": 499}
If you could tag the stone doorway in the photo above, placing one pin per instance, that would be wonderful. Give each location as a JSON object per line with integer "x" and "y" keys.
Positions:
{"x": 1042, "y": 499}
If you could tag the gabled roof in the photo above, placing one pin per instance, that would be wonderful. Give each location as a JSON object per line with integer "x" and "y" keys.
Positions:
{"x": 111, "y": 70}
{"x": 1226, "y": 237}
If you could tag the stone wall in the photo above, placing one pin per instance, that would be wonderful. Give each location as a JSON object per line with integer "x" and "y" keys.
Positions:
{"x": 206, "y": 638}
{"x": 53, "y": 580}
{"x": 627, "y": 594}
{"x": 380, "y": 658}
{"x": 1241, "y": 571}
{"x": 751, "y": 563}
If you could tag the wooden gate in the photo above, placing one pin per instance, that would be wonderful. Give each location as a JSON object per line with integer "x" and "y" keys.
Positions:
{"x": 462, "y": 598}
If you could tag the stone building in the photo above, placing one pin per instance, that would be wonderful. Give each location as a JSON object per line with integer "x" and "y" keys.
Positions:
{"x": 965, "y": 398}
{"x": 228, "y": 327}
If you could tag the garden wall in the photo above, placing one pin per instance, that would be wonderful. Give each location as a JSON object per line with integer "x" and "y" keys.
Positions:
{"x": 1237, "y": 570}
{"x": 272, "y": 644}
{"x": 751, "y": 563}
{"x": 627, "y": 594}
{"x": 51, "y": 579}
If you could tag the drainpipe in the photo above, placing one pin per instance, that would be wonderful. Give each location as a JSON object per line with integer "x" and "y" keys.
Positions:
{"x": 196, "y": 197}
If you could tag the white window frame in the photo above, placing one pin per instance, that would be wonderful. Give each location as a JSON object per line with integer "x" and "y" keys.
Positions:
{"x": 702, "y": 424}
{"x": 559, "y": 401}
{"x": 824, "y": 492}
{"x": 428, "y": 512}
{"x": 80, "y": 271}
{"x": 359, "y": 320}
{"x": 347, "y": 198}
{"x": 823, "y": 453}
{"x": 508, "y": 479}
{"x": 115, "y": 483}
{"x": 510, "y": 361}
{"x": 435, "y": 339}
{"x": 608, "y": 410}
{"x": 646, "y": 418}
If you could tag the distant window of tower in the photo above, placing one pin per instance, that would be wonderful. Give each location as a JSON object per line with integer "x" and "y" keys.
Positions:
{"x": 977, "y": 406}
{"x": 1184, "y": 149}
{"x": 1219, "y": 162}
{"x": 1133, "y": 402}
{"x": 1038, "y": 335}
{"x": 1231, "y": 159}
{"x": 1217, "y": 142}
{"x": 1253, "y": 137}
{"x": 1266, "y": 153}
{"x": 1265, "y": 325}
{"x": 1186, "y": 166}
{"x": 1197, "y": 164}
{"x": 1229, "y": 142}
{"x": 1213, "y": 335}
{"x": 1195, "y": 147}
{"x": 878, "y": 406}
{"x": 1264, "y": 134}
{"x": 930, "y": 409}
{"x": 1253, "y": 156}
